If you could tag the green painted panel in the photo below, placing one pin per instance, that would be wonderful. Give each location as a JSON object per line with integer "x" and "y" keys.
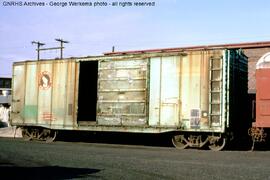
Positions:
{"x": 30, "y": 111}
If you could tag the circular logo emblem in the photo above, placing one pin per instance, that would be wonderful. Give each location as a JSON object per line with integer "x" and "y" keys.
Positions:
{"x": 45, "y": 81}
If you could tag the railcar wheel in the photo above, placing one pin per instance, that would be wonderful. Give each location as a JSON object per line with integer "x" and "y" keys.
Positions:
{"x": 180, "y": 142}
{"x": 50, "y": 135}
{"x": 27, "y": 134}
{"x": 217, "y": 143}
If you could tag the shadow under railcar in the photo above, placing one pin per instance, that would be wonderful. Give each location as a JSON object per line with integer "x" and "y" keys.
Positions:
{"x": 162, "y": 140}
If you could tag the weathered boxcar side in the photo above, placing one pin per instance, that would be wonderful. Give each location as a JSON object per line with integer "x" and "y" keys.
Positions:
{"x": 198, "y": 95}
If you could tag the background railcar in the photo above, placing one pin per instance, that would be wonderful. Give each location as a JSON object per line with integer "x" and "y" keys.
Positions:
{"x": 5, "y": 100}
{"x": 5, "y": 91}
{"x": 261, "y": 125}
{"x": 199, "y": 96}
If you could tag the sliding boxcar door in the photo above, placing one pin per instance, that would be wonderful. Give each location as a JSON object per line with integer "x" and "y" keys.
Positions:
{"x": 164, "y": 91}
{"x": 122, "y": 87}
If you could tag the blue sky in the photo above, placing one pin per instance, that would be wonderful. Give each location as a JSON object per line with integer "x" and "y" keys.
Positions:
{"x": 92, "y": 31}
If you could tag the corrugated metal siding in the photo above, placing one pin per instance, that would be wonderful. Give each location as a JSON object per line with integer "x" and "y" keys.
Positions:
{"x": 48, "y": 98}
{"x": 30, "y": 109}
{"x": 18, "y": 91}
{"x": 179, "y": 91}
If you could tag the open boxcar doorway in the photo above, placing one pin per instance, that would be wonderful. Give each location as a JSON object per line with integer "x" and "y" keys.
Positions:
{"x": 87, "y": 95}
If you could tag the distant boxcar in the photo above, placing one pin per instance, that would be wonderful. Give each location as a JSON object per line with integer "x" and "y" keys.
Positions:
{"x": 5, "y": 100}
{"x": 5, "y": 91}
{"x": 262, "y": 120}
{"x": 199, "y": 96}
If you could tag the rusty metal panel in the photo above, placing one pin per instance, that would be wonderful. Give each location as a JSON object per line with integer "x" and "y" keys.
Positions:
{"x": 201, "y": 92}
{"x": 179, "y": 91}
{"x": 45, "y": 84}
{"x": 122, "y": 87}
{"x": 49, "y": 93}
{"x": 56, "y": 99}
{"x": 194, "y": 82}
{"x": 71, "y": 92}
{"x": 189, "y": 90}
{"x": 58, "y": 108}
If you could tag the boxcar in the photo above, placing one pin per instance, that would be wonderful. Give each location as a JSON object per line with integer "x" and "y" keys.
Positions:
{"x": 199, "y": 96}
{"x": 262, "y": 120}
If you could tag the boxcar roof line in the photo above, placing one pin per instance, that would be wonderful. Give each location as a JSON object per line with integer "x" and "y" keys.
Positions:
{"x": 164, "y": 51}
{"x": 248, "y": 45}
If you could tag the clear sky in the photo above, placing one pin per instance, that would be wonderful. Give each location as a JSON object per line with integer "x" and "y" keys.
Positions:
{"x": 94, "y": 30}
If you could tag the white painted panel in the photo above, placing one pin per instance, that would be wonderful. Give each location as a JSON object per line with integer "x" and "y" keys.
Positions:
{"x": 154, "y": 103}
{"x": 169, "y": 113}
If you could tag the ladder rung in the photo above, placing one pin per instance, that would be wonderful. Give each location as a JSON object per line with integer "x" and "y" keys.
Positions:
{"x": 216, "y": 69}
{"x": 215, "y": 114}
{"x": 215, "y": 92}
{"x": 215, "y": 103}
{"x": 216, "y": 80}
{"x": 215, "y": 58}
